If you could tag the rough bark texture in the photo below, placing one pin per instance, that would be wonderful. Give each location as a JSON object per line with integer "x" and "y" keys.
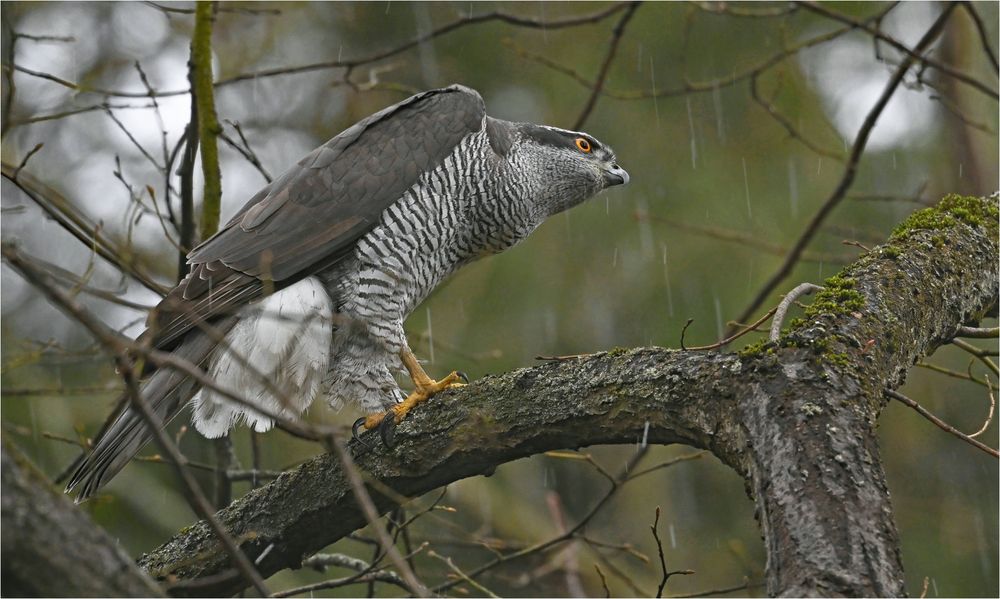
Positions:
{"x": 796, "y": 419}
{"x": 52, "y": 549}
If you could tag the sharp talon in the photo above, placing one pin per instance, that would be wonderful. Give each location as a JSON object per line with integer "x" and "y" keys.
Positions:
{"x": 387, "y": 430}
{"x": 358, "y": 425}
{"x": 463, "y": 376}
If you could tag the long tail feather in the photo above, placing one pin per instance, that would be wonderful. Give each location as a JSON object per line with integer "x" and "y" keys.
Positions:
{"x": 166, "y": 392}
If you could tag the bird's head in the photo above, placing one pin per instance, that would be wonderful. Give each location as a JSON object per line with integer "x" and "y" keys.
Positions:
{"x": 572, "y": 166}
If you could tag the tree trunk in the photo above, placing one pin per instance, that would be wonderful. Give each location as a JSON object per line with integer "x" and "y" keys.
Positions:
{"x": 796, "y": 419}
{"x": 52, "y": 549}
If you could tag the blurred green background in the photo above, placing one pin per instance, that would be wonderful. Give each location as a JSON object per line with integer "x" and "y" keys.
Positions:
{"x": 616, "y": 271}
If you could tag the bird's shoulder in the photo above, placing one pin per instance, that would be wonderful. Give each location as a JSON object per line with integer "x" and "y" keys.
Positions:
{"x": 310, "y": 216}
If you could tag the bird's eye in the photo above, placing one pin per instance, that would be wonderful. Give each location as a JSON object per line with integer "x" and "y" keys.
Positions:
{"x": 583, "y": 145}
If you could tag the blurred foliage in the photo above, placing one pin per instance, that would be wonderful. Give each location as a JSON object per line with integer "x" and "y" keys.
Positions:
{"x": 599, "y": 276}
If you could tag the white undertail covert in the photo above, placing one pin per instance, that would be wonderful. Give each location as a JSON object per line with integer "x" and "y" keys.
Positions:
{"x": 285, "y": 337}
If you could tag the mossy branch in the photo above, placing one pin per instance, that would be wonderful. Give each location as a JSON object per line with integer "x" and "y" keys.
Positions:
{"x": 202, "y": 82}
{"x": 795, "y": 418}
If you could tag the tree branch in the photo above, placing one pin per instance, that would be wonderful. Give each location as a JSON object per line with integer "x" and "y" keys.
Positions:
{"x": 51, "y": 548}
{"x": 796, "y": 419}
{"x": 208, "y": 124}
{"x": 851, "y": 168}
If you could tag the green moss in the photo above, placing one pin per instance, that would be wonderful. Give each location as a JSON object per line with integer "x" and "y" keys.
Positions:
{"x": 837, "y": 297}
{"x": 951, "y": 210}
{"x": 617, "y": 351}
{"x": 755, "y": 349}
{"x": 837, "y": 359}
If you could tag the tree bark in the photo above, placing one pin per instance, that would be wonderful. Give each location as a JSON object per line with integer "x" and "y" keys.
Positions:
{"x": 796, "y": 419}
{"x": 52, "y": 549}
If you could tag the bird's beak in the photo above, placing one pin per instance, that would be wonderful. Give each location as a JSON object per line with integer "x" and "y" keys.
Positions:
{"x": 615, "y": 175}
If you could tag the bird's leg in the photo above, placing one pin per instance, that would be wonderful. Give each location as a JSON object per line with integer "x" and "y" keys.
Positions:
{"x": 424, "y": 388}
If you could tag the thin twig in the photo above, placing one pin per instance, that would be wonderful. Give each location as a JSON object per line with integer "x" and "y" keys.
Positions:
{"x": 745, "y": 329}
{"x": 616, "y": 483}
{"x": 850, "y": 169}
{"x": 940, "y": 423}
{"x": 793, "y": 132}
{"x": 659, "y": 550}
{"x": 27, "y": 157}
{"x": 602, "y": 75}
{"x": 604, "y": 581}
{"x": 912, "y": 54}
{"x": 993, "y": 405}
{"x": 197, "y": 498}
{"x": 949, "y": 372}
{"x": 981, "y": 354}
{"x": 371, "y": 514}
{"x": 515, "y": 20}
{"x": 714, "y": 592}
{"x": 78, "y": 225}
{"x": 984, "y": 36}
{"x": 695, "y": 87}
{"x": 462, "y": 575}
{"x": 977, "y": 332}
{"x": 782, "y": 309}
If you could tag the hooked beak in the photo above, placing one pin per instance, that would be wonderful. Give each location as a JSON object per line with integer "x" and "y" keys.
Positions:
{"x": 615, "y": 175}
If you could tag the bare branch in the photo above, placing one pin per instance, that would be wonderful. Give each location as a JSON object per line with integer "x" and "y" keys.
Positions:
{"x": 851, "y": 167}
{"x": 912, "y": 54}
{"x": 616, "y": 37}
{"x": 941, "y": 424}
{"x": 779, "y": 314}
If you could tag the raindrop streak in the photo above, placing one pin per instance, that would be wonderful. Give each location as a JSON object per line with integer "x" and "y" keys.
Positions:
{"x": 545, "y": 31}
{"x": 720, "y": 128}
{"x": 793, "y": 188}
{"x": 428, "y": 60}
{"x": 694, "y": 146}
{"x": 960, "y": 170}
{"x": 983, "y": 544}
{"x": 645, "y": 434}
{"x": 746, "y": 185}
{"x": 652, "y": 85}
{"x": 645, "y": 231}
{"x": 430, "y": 336}
{"x": 673, "y": 537}
{"x": 666, "y": 277}
{"x": 893, "y": 161}
{"x": 819, "y": 166}
{"x": 34, "y": 417}
{"x": 718, "y": 318}
{"x": 340, "y": 52}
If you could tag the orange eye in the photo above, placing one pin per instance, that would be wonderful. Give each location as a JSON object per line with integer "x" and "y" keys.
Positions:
{"x": 583, "y": 144}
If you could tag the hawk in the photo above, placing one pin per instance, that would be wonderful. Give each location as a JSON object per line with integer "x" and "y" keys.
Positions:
{"x": 307, "y": 287}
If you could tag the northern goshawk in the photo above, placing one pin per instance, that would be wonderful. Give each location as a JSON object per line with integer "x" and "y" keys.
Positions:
{"x": 306, "y": 289}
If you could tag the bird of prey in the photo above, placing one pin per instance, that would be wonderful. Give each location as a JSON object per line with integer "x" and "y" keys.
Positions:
{"x": 305, "y": 290}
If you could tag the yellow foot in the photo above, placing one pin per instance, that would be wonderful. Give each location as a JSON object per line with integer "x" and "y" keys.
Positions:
{"x": 386, "y": 422}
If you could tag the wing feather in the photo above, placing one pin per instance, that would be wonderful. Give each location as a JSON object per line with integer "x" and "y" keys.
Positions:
{"x": 310, "y": 217}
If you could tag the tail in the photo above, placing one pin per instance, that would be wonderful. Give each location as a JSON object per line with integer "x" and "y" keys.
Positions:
{"x": 166, "y": 392}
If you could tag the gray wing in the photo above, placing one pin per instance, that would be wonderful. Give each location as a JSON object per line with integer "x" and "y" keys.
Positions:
{"x": 311, "y": 216}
